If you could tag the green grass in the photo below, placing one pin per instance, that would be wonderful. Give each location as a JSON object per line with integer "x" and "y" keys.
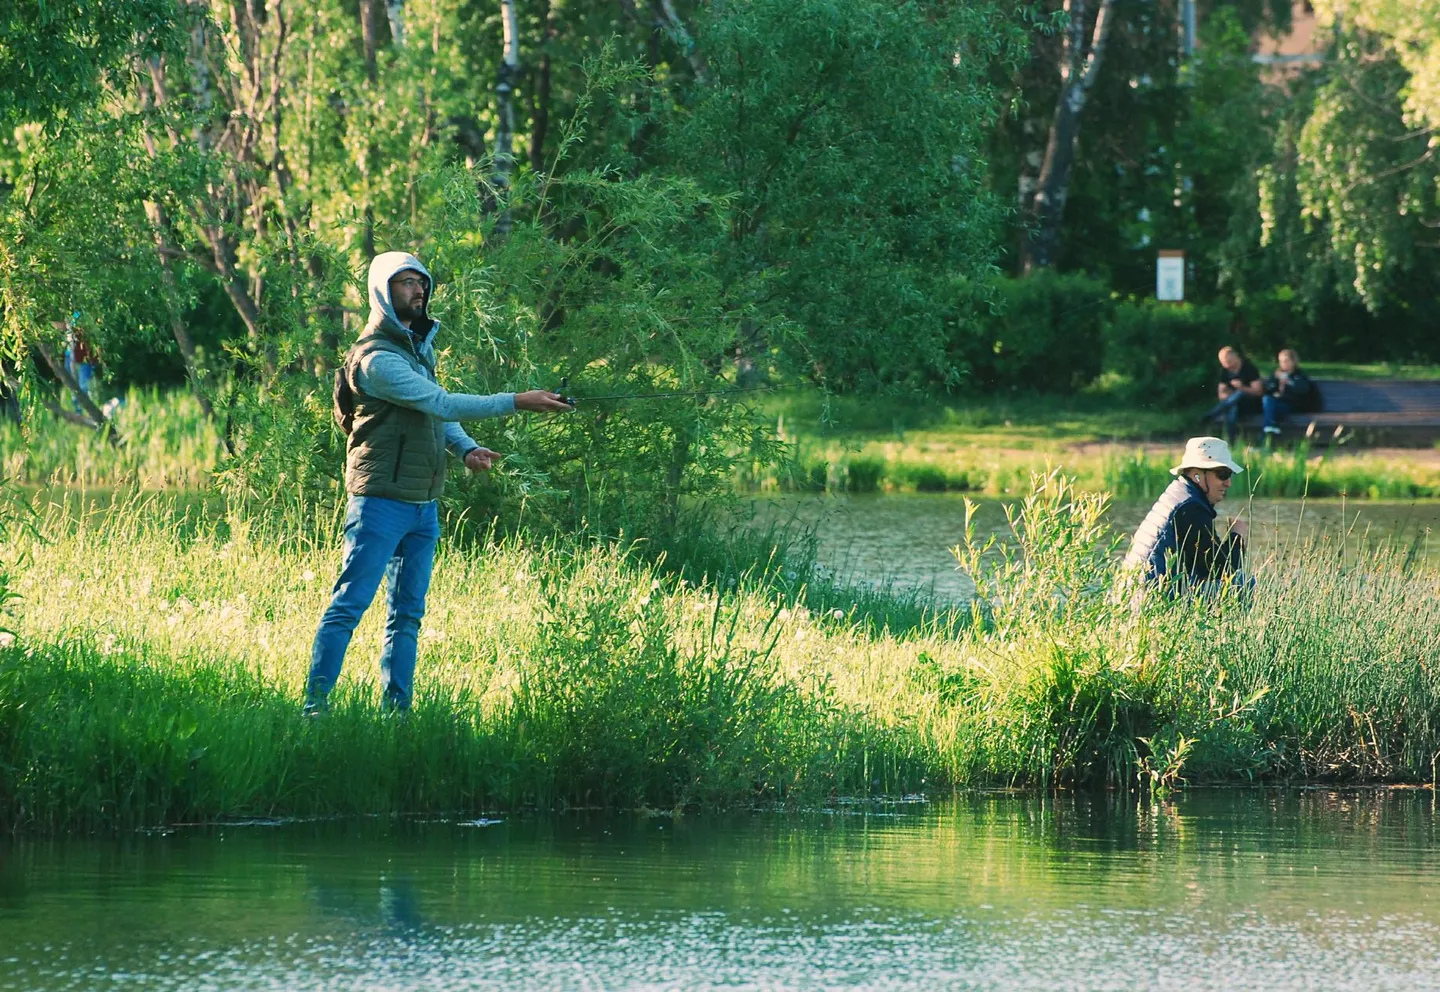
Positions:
{"x": 1374, "y": 370}
{"x": 1286, "y": 473}
{"x": 1010, "y": 420}
{"x": 167, "y": 443}
{"x": 157, "y": 674}
{"x": 1123, "y": 470}
{"x": 989, "y": 446}
{"x": 994, "y": 447}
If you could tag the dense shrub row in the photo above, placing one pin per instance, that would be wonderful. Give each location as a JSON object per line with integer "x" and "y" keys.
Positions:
{"x": 1059, "y": 333}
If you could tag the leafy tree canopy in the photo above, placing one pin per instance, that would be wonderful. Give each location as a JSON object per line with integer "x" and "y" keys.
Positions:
{"x": 1412, "y": 30}
{"x": 55, "y": 54}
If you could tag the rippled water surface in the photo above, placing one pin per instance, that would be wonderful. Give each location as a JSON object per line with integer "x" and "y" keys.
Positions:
{"x": 905, "y": 538}
{"x": 1220, "y": 890}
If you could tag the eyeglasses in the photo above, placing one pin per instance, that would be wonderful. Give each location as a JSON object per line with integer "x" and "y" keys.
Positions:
{"x": 410, "y": 282}
{"x": 1223, "y": 474}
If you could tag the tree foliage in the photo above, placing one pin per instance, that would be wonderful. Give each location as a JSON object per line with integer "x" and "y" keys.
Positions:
{"x": 57, "y": 57}
{"x": 810, "y": 190}
{"x": 851, "y": 134}
{"x": 1412, "y": 33}
{"x": 601, "y": 282}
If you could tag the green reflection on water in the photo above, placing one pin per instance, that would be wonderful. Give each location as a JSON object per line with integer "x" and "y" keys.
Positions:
{"x": 1226, "y": 889}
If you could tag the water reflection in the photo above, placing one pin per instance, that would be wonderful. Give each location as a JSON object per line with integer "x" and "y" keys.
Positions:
{"x": 1248, "y": 889}
{"x": 906, "y": 538}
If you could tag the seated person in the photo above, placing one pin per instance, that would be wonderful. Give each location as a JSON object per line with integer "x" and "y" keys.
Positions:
{"x": 1288, "y": 391}
{"x": 1175, "y": 547}
{"x": 1239, "y": 389}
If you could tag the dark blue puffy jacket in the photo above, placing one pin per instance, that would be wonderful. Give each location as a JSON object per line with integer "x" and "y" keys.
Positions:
{"x": 1177, "y": 538}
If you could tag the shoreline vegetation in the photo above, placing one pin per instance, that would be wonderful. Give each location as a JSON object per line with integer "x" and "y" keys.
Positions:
{"x": 994, "y": 446}
{"x": 695, "y": 206}
{"x": 989, "y": 447}
{"x": 155, "y": 671}
{"x": 928, "y": 462}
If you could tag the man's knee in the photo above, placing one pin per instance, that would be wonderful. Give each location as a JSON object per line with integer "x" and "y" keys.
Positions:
{"x": 343, "y": 612}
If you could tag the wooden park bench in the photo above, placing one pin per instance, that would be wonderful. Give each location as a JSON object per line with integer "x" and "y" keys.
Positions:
{"x": 1372, "y": 411}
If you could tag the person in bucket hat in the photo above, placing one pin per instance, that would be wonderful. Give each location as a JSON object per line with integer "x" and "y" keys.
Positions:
{"x": 1176, "y": 545}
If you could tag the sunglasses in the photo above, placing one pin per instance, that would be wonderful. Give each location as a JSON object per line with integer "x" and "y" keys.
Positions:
{"x": 1223, "y": 474}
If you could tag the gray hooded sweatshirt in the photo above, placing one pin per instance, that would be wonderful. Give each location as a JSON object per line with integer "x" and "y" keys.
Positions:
{"x": 402, "y": 374}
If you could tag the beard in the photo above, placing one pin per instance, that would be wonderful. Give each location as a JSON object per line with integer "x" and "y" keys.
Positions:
{"x": 410, "y": 312}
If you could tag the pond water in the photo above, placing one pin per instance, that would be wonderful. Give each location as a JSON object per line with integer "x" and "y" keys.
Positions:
{"x": 905, "y": 538}
{"x": 1219, "y": 890}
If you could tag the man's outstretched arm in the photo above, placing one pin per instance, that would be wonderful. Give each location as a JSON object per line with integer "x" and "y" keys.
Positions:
{"x": 389, "y": 377}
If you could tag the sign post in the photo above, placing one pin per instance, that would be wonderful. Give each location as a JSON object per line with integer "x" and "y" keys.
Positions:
{"x": 1170, "y": 275}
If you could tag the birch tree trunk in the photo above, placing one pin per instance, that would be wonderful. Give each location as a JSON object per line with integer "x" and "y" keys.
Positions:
{"x": 179, "y": 330}
{"x": 505, "y": 106}
{"x": 1079, "y": 68}
{"x": 367, "y": 165}
{"x": 395, "y": 14}
{"x": 671, "y": 22}
{"x": 164, "y": 253}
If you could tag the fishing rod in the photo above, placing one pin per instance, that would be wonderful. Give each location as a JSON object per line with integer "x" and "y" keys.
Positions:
{"x": 667, "y": 394}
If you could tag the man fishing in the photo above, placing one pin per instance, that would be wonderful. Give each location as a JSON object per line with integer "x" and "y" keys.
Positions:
{"x": 401, "y": 424}
{"x": 1176, "y": 547}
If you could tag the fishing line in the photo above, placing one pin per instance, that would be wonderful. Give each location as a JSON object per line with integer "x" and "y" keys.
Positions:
{"x": 673, "y": 394}
{"x": 664, "y": 394}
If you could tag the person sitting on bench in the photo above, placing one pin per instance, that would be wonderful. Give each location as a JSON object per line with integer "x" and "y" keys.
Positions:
{"x": 1239, "y": 389}
{"x": 1288, "y": 391}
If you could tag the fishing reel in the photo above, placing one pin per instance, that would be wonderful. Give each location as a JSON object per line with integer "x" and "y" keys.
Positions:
{"x": 560, "y": 392}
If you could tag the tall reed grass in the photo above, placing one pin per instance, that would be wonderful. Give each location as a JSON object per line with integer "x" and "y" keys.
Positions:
{"x": 1284, "y": 472}
{"x": 903, "y": 466}
{"x": 157, "y": 674}
{"x": 168, "y": 443}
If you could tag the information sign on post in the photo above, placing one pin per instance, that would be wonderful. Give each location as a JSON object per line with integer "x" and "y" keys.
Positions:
{"x": 1170, "y": 275}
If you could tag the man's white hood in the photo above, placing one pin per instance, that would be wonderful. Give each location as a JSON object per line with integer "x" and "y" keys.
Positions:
{"x": 383, "y": 268}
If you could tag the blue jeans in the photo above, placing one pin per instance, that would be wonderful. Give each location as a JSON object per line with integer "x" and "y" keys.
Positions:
{"x": 1276, "y": 410}
{"x": 1231, "y": 408}
{"x": 84, "y": 375}
{"x": 382, "y": 537}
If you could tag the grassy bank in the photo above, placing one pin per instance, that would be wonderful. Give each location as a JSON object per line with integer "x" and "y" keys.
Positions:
{"x": 157, "y": 679}
{"x": 166, "y": 443}
{"x": 990, "y": 446}
{"x": 994, "y": 447}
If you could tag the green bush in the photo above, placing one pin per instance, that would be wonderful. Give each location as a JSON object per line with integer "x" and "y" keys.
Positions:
{"x": 863, "y": 475}
{"x": 1046, "y": 336}
{"x": 853, "y": 260}
{"x": 1163, "y": 354}
{"x": 599, "y": 283}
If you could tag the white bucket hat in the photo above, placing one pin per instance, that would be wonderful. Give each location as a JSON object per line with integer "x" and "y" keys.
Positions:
{"x": 1206, "y": 452}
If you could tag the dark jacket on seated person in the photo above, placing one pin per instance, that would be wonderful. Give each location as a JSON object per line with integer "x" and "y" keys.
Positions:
{"x": 1177, "y": 539}
{"x": 1301, "y": 393}
{"x": 1248, "y": 373}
